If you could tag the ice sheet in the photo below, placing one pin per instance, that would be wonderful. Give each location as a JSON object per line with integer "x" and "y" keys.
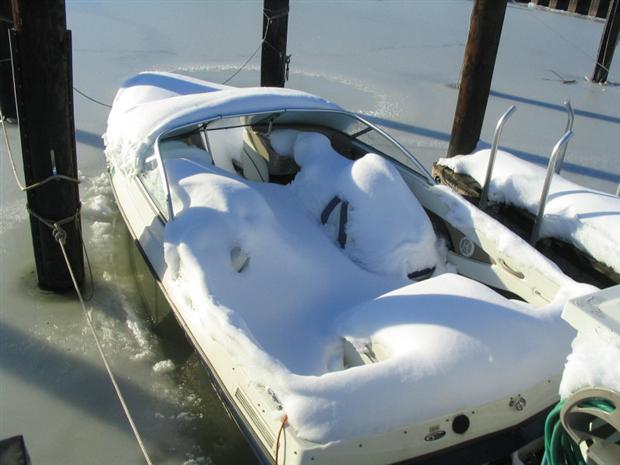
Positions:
{"x": 587, "y": 218}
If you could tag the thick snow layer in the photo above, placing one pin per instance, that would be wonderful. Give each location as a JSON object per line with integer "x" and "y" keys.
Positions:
{"x": 285, "y": 313}
{"x": 594, "y": 362}
{"x": 584, "y": 217}
{"x": 283, "y": 140}
{"x": 387, "y": 230}
{"x": 253, "y": 269}
{"x": 151, "y": 103}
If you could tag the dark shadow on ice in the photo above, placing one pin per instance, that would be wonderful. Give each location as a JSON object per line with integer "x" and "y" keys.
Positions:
{"x": 556, "y": 107}
{"x": 578, "y": 192}
{"x": 89, "y": 138}
{"x": 410, "y": 128}
{"x": 74, "y": 381}
{"x": 64, "y": 376}
{"x": 567, "y": 166}
{"x": 527, "y": 156}
{"x": 583, "y": 216}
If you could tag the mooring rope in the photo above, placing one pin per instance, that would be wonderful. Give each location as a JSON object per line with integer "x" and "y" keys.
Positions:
{"x": 92, "y": 99}
{"x": 53, "y": 176}
{"x": 260, "y": 44}
{"x": 533, "y": 14}
{"x": 10, "y": 153}
{"x": 60, "y": 235}
{"x": 283, "y": 421}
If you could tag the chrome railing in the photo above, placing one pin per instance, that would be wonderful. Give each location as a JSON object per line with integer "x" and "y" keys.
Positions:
{"x": 484, "y": 197}
{"x": 559, "y": 147}
{"x": 569, "y": 127}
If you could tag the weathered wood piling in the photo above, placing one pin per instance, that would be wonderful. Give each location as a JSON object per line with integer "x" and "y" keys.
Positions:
{"x": 41, "y": 46}
{"x": 485, "y": 29}
{"x": 274, "y": 60}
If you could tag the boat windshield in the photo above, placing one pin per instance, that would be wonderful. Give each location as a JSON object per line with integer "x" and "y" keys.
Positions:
{"x": 349, "y": 134}
{"x": 245, "y": 144}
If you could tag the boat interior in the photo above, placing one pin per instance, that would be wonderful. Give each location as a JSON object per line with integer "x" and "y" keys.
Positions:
{"x": 245, "y": 146}
{"x": 329, "y": 247}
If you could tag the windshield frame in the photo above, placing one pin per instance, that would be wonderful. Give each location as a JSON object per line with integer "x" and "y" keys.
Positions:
{"x": 202, "y": 125}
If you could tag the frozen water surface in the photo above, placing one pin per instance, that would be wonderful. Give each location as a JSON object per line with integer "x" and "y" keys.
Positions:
{"x": 395, "y": 61}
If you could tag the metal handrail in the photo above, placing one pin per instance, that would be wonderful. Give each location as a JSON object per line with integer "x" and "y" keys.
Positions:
{"x": 553, "y": 160}
{"x": 484, "y": 197}
{"x": 569, "y": 127}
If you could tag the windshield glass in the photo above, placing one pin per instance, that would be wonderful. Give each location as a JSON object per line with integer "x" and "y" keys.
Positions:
{"x": 351, "y": 136}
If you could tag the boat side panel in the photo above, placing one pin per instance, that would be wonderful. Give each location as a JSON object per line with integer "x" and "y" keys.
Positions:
{"x": 530, "y": 284}
{"x": 135, "y": 212}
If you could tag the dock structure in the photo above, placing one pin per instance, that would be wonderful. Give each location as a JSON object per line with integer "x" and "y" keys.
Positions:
{"x": 596, "y": 8}
{"x": 41, "y": 51}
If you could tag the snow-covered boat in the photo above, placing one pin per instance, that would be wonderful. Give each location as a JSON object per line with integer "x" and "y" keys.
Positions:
{"x": 348, "y": 310}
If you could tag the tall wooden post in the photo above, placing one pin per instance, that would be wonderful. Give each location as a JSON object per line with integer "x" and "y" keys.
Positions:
{"x": 485, "y": 29}
{"x": 7, "y": 93}
{"x": 41, "y": 47}
{"x": 273, "y": 55}
{"x": 608, "y": 43}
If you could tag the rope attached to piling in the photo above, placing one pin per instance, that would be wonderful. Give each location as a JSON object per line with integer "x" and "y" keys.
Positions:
{"x": 92, "y": 99}
{"x": 60, "y": 236}
{"x": 262, "y": 41}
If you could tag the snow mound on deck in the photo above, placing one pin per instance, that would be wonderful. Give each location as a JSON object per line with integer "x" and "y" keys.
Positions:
{"x": 284, "y": 315}
{"x": 294, "y": 277}
{"x": 388, "y": 231}
{"x": 588, "y": 219}
{"x": 450, "y": 344}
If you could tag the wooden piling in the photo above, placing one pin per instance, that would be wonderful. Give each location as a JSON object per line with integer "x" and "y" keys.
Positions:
{"x": 608, "y": 43}
{"x": 41, "y": 47}
{"x": 273, "y": 55}
{"x": 7, "y": 94}
{"x": 485, "y": 29}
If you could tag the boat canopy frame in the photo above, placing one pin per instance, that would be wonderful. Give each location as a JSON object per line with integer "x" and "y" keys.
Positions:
{"x": 202, "y": 125}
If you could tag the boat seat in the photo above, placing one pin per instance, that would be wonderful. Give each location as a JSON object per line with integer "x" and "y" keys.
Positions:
{"x": 366, "y": 208}
{"x": 254, "y": 157}
{"x": 268, "y": 155}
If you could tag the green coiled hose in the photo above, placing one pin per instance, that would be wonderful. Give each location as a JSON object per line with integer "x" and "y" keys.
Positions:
{"x": 560, "y": 449}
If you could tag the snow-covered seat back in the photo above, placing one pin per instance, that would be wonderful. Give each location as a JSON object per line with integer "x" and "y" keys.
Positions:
{"x": 366, "y": 208}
